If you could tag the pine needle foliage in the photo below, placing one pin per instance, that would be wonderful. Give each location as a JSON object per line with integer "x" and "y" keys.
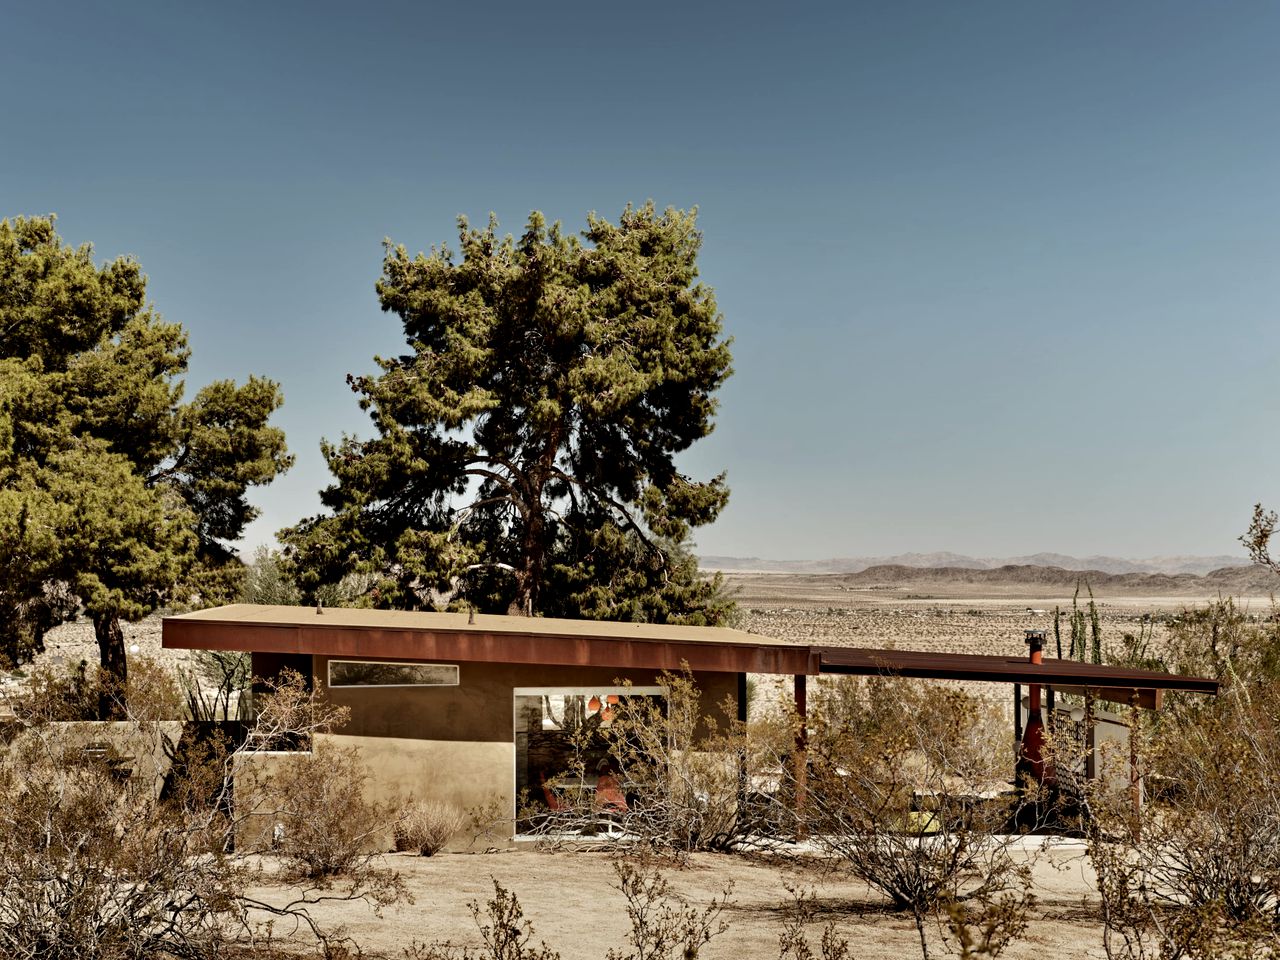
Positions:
{"x": 525, "y": 456}
{"x": 116, "y": 496}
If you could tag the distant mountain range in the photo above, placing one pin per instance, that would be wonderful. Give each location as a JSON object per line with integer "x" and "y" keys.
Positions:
{"x": 1198, "y": 566}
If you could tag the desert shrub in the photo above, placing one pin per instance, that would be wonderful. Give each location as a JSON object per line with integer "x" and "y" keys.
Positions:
{"x": 98, "y": 864}
{"x": 489, "y": 820}
{"x": 1196, "y": 870}
{"x": 902, "y": 791}
{"x": 153, "y": 692}
{"x": 425, "y": 826}
{"x": 54, "y": 695}
{"x": 1221, "y": 641}
{"x": 661, "y": 926}
{"x": 504, "y": 933}
{"x": 326, "y": 826}
{"x": 507, "y": 934}
{"x": 986, "y": 928}
{"x": 793, "y": 942}
{"x": 1199, "y": 874}
{"x": 77, "y": 693}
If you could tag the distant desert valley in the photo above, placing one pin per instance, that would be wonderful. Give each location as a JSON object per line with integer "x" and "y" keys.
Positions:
{"x": 977, "y": 610}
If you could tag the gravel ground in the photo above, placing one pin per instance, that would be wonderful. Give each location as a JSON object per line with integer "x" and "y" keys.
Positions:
{"x": 572, "y": 902}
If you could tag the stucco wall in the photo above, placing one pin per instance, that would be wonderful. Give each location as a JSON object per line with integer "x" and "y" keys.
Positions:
{"x": 477, "y": 777}
{"x": 479, "y": 708}
{"x": 457, "y": 743}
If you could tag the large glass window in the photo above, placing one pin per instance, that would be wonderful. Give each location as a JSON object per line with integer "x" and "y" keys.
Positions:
{"x": 374, "y": 673}
{"x": 563, "y": 747}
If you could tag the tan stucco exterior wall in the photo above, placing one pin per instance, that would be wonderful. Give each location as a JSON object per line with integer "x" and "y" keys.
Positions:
{"x": 457, "y": 743}
{"x": 479, "y": 708}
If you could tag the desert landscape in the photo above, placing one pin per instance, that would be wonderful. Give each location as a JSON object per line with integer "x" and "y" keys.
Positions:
{"x": 571, "y": 898}
{"x": 965, "y": 610}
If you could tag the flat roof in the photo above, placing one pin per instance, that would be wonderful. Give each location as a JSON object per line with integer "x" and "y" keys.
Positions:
{"x": 401, "y": 635}
{"x": 363, "y": 618}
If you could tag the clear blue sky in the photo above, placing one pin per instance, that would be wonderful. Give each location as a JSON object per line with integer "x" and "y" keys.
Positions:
{"x": 1002, "y": 277}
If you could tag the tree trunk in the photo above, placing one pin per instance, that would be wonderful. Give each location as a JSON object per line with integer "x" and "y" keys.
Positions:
{"x": 530, "y": 570}
{"x": 114, "y": 678}
{"x": 533, "y": 549}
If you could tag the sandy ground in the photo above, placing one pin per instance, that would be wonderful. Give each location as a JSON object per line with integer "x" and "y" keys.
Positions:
{"x": 574, "y": 908}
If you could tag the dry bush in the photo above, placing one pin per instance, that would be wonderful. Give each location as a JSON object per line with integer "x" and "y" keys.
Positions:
{"x": 507, "y": 934}
{"x": 504, "y": 932}
{"x": 1196, "y": 871}
{"x": 425, "y": 826}
{"x": 489, "y": 820}
{"x": 52, "y": 695}
{"x": 77, "y": 693}
{"x": 986, "y": 929}
{"x": 1197, "y": 874}
{"x": 1221, "y": 640}
{"x": 153, "y": 692}
{"x": 300, "y": 795}
{"x": 902, "y": 790}
{"x": 323, "y": 824}
{"x": 96, "y": 864}
{"x": 793, "y": 943}
{"x": 661, "y": 926}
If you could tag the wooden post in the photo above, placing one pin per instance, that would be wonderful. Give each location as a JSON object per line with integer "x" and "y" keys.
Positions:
{"x": 801, "y": 760}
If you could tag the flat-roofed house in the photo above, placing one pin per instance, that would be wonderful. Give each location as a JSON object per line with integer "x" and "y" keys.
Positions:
{"x": 470, "y": 708}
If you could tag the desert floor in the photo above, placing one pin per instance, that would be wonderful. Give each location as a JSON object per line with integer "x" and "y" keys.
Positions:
{"x": 953, "y": 616}
{"x": 574, "y": 907}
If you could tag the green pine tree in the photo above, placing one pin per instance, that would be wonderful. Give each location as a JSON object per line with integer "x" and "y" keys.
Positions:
{"x": 115, "y": 496}
{"x": 525, "y": 452}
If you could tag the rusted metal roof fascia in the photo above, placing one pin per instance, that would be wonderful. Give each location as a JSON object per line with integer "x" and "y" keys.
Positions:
{"x": 486, "y": 647}
{"x": 1002, "y": 670}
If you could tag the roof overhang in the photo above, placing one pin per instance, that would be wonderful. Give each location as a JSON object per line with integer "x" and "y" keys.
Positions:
{"x": 391, "y": 634}
{"x": 403, "y": 635}
{"x": 967, "y": 666}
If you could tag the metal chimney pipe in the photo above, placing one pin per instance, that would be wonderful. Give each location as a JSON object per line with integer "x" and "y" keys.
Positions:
{"x": 1033, "y": 735}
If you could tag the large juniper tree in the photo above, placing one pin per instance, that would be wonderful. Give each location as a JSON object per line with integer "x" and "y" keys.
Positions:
{"x": 526, "y": 441}
{"x": 115, "y": 496}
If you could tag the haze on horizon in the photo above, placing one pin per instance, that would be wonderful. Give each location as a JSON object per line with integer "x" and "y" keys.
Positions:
{"x": 1001, "y": 277}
